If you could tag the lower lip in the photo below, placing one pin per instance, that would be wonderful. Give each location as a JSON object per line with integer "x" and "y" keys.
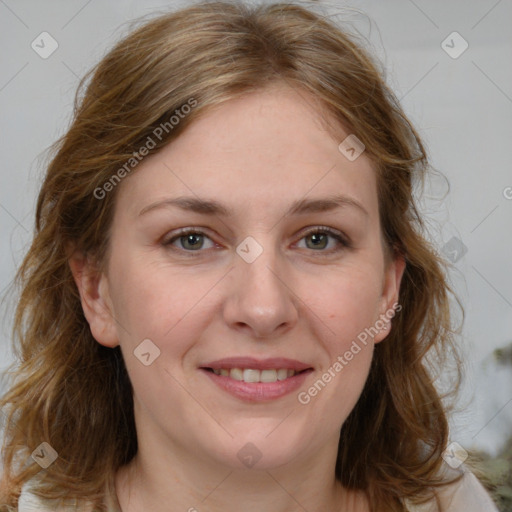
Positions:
{"x": 258, "y": 391}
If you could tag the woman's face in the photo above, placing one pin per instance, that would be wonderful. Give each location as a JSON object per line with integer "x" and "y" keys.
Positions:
{"x": 262, "y": 285}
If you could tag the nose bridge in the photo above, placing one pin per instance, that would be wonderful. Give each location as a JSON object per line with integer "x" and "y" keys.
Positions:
{"x": 260, "y": 269}
{"x": 260, "y": 300}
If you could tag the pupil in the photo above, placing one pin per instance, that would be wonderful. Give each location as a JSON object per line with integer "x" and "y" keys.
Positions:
{"x": 317, "y": 238}
{"x": 192, "y": 239}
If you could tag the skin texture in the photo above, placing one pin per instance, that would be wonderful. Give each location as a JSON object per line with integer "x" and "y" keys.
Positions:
{"x": 256, "y": 155}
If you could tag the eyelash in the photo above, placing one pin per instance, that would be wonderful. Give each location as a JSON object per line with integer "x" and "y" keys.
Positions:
{"x": 343, "y": 241}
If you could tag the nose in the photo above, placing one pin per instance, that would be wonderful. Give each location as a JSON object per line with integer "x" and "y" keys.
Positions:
{"x": 260, "y": 300}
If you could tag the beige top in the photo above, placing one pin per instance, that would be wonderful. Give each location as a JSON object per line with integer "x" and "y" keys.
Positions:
{"x": 467, "y": 495}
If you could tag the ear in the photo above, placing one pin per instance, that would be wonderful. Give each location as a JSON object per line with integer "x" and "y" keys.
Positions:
{"x": 93, "y": 288}
{"x": 389, "y": 300}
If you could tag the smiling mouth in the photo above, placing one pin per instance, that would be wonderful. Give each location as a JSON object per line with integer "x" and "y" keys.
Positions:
{"x": 250, "y": 375}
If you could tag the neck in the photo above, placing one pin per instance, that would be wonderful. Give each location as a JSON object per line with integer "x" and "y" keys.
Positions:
{"x": 174, "y": 473}
{"x": 148, "y": 483}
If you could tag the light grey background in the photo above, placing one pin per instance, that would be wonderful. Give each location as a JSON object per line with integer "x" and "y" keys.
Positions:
{"x": 462, "y": 107}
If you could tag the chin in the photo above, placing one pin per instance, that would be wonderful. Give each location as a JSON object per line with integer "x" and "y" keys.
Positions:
{"x": 264, "y": 450}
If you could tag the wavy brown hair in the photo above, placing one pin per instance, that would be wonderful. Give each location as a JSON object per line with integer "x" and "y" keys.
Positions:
{"x": 74, "y": 393}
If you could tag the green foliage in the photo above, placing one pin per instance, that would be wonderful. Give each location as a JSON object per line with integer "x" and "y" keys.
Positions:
{"x": 496, "y": 472}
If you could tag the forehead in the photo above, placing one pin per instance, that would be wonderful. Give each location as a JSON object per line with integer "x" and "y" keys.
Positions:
{"x": 266, "y": 148}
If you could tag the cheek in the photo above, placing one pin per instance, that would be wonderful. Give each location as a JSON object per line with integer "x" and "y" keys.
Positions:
{"x": 348, "y": 304}
{"x": 348, "y": 307}
{"x": 169, "y": 308}
{"x": 332, "y": 395}
{"x": 164, "y": 304}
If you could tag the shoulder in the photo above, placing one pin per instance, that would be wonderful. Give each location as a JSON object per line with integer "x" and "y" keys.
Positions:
{"x": 466, "y": 495}
{"x": 30, "y": 502}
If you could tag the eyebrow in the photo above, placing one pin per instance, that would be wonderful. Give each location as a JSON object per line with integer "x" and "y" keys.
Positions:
{"x": 212, "y": 207}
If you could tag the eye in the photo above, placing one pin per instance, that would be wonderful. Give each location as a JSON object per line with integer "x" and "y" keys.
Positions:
{"x": 192, "y": 240}
{"x": 319, "y": 237}
{"x": 189, "y": 239}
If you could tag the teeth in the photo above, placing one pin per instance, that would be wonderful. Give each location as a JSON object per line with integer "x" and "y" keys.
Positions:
{"x": 251, "y": 375}
{"x": 236, "y": 374}
{"x": 282, "y": 374}
{"x": 269, "y": 375}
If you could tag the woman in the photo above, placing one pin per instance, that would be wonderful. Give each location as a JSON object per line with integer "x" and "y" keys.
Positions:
{"x": 228, "y": 300}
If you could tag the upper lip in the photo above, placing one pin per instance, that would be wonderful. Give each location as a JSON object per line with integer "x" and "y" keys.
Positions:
{"x": 257, "y": 364}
